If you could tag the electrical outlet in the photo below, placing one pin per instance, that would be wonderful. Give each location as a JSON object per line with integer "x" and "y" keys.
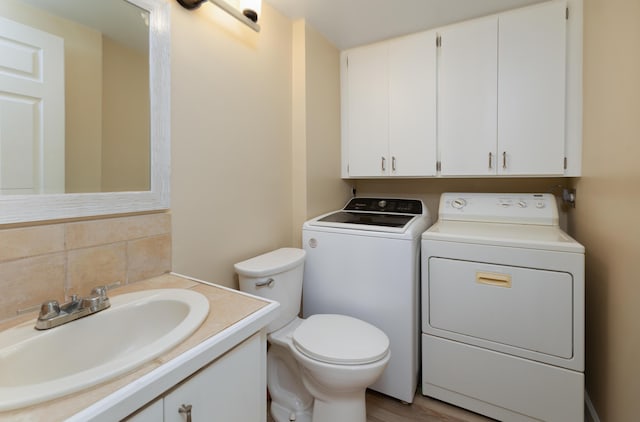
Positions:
{"x": 569, "y": 197}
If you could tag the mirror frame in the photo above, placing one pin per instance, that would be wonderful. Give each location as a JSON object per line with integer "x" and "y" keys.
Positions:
{"x": 41, "y": 207}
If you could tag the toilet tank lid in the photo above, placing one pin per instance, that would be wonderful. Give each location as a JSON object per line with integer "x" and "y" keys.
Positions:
{"x": 273, "y": 262}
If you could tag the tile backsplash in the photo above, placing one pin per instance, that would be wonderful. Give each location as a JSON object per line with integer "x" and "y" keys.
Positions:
{"x": 57, "y": 260}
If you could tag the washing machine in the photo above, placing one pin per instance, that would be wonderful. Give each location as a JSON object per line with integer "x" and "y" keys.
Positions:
{"x": 503, "y": 308}
{"x": 364, "y": 261}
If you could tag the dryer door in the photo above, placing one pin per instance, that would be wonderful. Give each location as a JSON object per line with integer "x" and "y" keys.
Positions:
{"x": 526, "y": 308}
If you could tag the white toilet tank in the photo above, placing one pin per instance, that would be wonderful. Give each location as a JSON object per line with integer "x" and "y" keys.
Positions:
{"x": 275, "y": 275}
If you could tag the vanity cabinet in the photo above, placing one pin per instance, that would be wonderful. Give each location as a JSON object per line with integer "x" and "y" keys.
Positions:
{"x": 233, "y": 387}
{"x": 389, "y": 108}
{"x": 495, "y": 88}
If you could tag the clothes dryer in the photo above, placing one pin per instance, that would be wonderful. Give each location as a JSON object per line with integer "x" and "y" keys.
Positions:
{"x": 503, "y": 308}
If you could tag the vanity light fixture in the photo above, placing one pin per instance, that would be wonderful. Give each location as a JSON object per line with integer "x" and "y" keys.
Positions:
{"x": 247, "y": 11}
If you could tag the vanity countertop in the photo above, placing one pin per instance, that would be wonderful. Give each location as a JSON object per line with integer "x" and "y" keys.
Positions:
{"x": 233, "y": 316}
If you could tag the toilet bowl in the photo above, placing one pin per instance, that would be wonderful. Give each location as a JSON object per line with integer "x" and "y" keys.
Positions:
{"x": 318, "y": 369}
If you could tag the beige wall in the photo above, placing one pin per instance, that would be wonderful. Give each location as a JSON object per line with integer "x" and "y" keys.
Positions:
{"x": 317, "y": 187}
{"x": 606, "y": 217}
{"x": 125, "y": 118}
{"x": 326, "y": 190}
{"x": 231, "y": 183}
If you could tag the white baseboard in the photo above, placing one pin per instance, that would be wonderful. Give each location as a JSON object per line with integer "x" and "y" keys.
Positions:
{"x": 591, "y": 415}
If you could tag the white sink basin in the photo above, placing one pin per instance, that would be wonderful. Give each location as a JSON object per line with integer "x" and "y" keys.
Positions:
{"x": 36, "y": 366}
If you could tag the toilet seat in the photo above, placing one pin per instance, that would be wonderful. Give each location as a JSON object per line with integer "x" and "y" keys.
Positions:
{"x": 340, "y": 339}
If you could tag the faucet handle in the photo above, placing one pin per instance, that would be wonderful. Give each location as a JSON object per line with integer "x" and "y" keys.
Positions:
{"x": 100, "y": 291}
{"x": 49, "y": 309}
{"x": 98, "y": 299}
{"x": 92, "y": 302}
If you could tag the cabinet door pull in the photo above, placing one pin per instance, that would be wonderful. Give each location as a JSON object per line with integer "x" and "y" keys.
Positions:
{"x": 490, "y": 161}
{"x": 393, "y": 163}
{"x": 384, "y": 164}
{"x": 185, "y": 409}
{"x": 504, "y": 160}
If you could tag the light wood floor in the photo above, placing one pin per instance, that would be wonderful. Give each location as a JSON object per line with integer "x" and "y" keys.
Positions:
{"x": 381, "y": 408}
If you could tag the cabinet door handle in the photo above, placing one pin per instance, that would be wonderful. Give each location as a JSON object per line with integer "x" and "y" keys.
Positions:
{"x": 504, "y": 160}
{"x": 490, "y": 161}
{"x": 186, "y": 410}
{"x": 384, "y": 164}
{"x": 393, "y": 163}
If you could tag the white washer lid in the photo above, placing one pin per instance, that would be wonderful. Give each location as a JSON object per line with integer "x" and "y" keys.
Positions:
{"x": 340, "y": 339}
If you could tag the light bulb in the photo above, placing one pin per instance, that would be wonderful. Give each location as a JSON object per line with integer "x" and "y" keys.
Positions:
{"x": 251, "y": 9}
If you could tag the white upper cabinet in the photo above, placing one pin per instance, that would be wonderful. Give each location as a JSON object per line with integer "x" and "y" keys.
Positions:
{"x": 531, "y": 90}
{"x": 412, "y": 105}
{"x": 467, "y": 97}
{"x": 501, "y": 94}
{"x": 498, "y": 96}
{"x": 389, "y": 108}
{"x": 365, "y": 105}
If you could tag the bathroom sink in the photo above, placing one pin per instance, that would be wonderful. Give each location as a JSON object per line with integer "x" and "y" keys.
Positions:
{"x": 36, "y": 366}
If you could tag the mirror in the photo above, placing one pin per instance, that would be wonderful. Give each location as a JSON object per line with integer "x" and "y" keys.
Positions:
{"x": 96, "y": 140}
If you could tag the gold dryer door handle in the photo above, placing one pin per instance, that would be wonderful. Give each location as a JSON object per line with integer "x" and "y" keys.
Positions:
{"x": 493, "y": 279}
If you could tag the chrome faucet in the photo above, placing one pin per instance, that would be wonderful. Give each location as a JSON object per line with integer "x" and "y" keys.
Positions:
{"x": 52, "y": 314}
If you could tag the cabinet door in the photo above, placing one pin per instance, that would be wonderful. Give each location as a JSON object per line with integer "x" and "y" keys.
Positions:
{"x": 367, "y": 110}
{"x": 467, "y": 97}
{"x": 153, "y": 412}
{"x": 232, "y": 388}
{"x": 531, "y": 90}
{"x": 412, "y": 105}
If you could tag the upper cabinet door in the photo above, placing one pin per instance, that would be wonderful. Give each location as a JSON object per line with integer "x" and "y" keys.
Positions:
{"x": 412, "y": 105}
{"x": 467, "y": 98}
{"x": 367, "y": 110}
{"x": 531, "y": 90}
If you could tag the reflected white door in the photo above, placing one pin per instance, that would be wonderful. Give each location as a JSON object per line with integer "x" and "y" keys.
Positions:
{"x": 31, "y": 110}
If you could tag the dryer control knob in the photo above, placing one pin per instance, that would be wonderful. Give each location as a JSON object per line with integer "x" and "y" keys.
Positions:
{"x": 540, "y": 204}
{"x": 382, "y": 203}
{"x": 522, "y": 204}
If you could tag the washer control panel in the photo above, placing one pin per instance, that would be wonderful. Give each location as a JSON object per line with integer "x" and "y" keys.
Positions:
{"x": 522, "y": 208}
{"x": 385, "y": 205}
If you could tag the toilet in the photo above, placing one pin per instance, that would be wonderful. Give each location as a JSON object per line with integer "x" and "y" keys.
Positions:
{"x": 318, "y": 368}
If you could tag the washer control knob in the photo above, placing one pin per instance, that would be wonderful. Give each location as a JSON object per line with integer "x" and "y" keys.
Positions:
{"x": 540, "y": 204}
{"x": 522, "y": 204}
{"x": 382, "y": 203}
{"x": 458, "y": 203}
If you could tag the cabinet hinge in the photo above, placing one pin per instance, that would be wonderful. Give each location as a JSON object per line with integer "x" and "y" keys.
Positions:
{"x": 566, "y": 14}
{"x": 565, "y": 163}
{"x": 438, "y": 41}
{"x": 438, "y": 166}
{"x": 347, "y": 61}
